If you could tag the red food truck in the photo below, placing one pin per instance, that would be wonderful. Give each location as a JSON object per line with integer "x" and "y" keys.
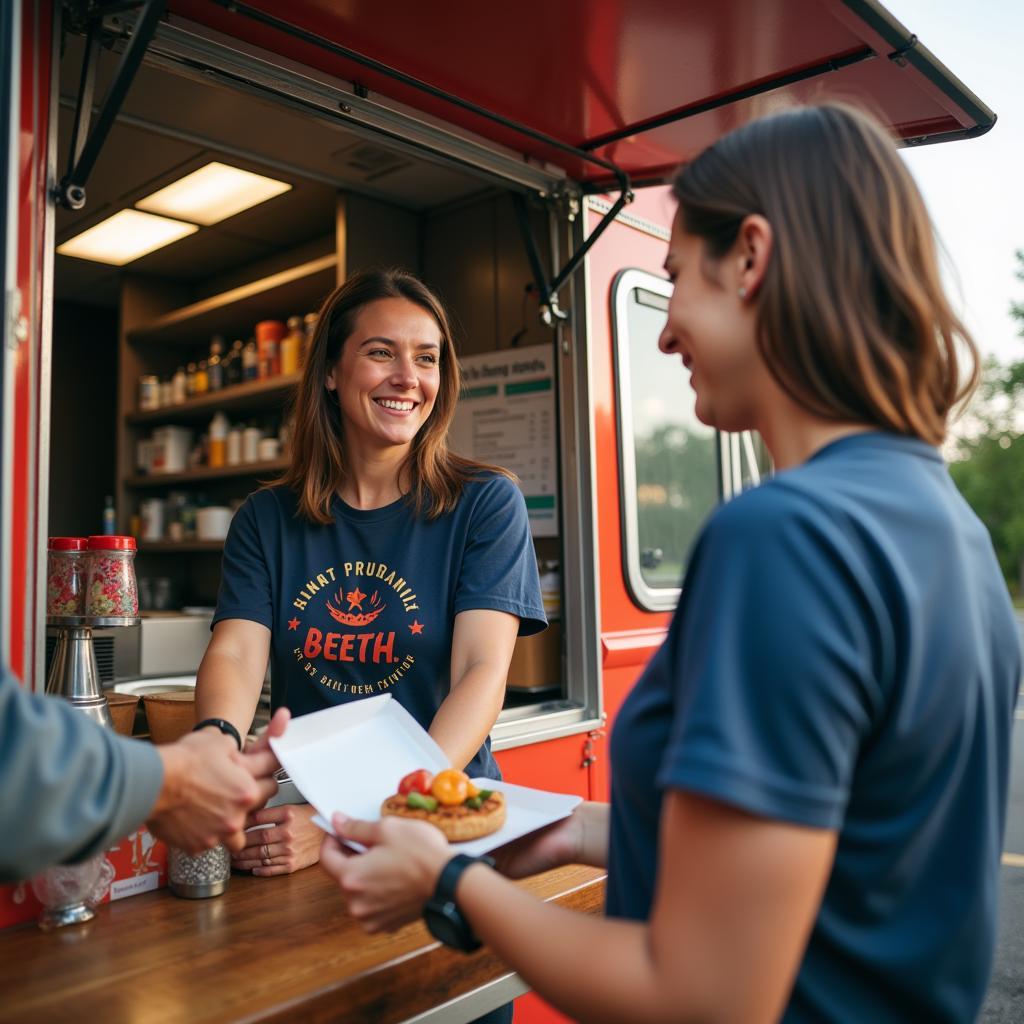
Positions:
{"x": 515, "y": 158}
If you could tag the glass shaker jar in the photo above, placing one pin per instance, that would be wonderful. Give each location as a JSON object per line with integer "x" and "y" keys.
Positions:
{"x": 65, "y": 576}
{"x": 111, "y": 590}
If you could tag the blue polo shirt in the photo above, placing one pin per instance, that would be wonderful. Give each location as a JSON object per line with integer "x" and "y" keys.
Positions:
{"x": 844, "y": 656}
{"x": 366, "y": 604}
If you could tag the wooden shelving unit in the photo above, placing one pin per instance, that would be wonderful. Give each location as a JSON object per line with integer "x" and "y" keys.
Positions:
{"x": 162, "y": 327}
{"x": 203, "y": 474}
{"x": 296, "y": 290}
{"x": 251, "y": 396}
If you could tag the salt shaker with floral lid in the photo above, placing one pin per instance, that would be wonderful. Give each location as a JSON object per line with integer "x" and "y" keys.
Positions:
{"x": 65, "y": 575}
{"x": 111, "y": 590}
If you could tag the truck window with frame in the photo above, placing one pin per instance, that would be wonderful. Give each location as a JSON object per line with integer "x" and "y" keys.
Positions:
{"x": 669, "y": 462}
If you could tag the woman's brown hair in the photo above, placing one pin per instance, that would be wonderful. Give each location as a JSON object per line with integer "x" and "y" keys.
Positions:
{"x": 853, "y": 321}
{"x": 318, "y": 465}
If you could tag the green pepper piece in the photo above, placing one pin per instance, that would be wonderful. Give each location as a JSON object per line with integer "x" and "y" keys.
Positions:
{"x": 474, "y": 802}
{"x": 485, "y": 794}
{"x": 420, "y": 802}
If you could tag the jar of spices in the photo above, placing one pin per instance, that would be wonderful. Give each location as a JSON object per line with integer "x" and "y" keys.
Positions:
{"x": 269, "y": 335}
{"x": 111, "y": 589}
{"x": 190, "y": 380}
{"x": 215, "y": 366}
{"x": 202, "y": 384}
{"x": 65, "y": 576}
{"x": 149, "y": 392}
{"x": 250, "y": 361}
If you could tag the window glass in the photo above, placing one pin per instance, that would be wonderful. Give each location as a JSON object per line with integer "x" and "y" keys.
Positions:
{"x": 671, "y": 478}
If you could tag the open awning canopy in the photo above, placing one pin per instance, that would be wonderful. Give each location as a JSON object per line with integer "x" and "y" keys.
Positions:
{"x": 642, "y": 85}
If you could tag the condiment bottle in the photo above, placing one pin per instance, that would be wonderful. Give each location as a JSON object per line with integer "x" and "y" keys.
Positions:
{"x": 166, "y": 393}
{"x": 233, "y": 364}
{"x": 251, "y": 444}
{"x": 111, "y": 590}
{"x": 218, "y": 440}
{"x": 65, "y": 576}
{"x": 178, "y": 386}
{"x": 250, "y": 361}
{"x": 202, "y": 378}
{"x": 269, "y": 334}
{"x": 234, "y": 446}
{"x": 190, "y": 380}
{"x": 215, "y": 368}
{"x": 291, "y": 346}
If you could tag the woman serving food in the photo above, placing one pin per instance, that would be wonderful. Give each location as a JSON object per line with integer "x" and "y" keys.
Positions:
{"x": 381, "y": 562}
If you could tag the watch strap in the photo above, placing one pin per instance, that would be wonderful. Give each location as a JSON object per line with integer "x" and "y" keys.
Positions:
{"x": 455, "y": 930}
{"x": 225, "y": 727}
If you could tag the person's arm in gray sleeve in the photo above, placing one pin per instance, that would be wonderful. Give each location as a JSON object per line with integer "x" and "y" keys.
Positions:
{"x": 71, "y": 788}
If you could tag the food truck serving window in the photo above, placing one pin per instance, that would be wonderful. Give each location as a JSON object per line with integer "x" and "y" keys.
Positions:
{"x": 671, "y": 476}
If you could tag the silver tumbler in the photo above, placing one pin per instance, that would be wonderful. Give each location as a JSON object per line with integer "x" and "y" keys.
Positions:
{"x": 196, "y": 878}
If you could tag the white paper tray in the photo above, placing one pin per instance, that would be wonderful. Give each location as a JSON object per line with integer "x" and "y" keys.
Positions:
{"x": 350, "y": 758}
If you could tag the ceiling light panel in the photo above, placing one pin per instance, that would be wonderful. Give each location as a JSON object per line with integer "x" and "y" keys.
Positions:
{"x": 124, "y": 237}
{"x": 213, "y": 193}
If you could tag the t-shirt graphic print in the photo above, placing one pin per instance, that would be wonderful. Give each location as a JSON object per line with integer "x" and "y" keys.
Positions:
{"x": 366, "y": 605}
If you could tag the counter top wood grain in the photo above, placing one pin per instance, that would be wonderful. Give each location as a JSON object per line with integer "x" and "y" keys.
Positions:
{"x": 280, "y": 950}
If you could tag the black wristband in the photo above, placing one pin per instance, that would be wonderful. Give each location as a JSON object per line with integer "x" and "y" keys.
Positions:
{"x": 225, "y": 727}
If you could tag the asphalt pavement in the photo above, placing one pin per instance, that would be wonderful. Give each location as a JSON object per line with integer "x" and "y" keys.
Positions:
{"x": 1005, "y": 1001}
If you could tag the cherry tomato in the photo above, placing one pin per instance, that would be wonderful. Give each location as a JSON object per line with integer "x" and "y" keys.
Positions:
{"x": 450, "y": 787}
{"x": 418, "y": 781}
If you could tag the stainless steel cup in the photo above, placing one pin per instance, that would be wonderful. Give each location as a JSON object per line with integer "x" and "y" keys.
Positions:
{"x": 199, "y": 877}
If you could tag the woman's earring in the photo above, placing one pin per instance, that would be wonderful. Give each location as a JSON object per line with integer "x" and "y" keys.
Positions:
{"x": 743, "y": 292}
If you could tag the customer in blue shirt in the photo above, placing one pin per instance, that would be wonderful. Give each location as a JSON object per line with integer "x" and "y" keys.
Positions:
{"x": 809, "y": 781}
{"x": 382, "y": 562}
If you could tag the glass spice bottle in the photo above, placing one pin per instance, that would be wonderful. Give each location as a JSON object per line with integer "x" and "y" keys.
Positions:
{"x": 202, "y": 378}
{"x": 65, "y": 575}
{"x": 190, "y": 380}
{"x": 111, "y": 590}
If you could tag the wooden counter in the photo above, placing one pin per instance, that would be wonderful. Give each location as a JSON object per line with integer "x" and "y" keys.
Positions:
{"x": 280, "y": 949}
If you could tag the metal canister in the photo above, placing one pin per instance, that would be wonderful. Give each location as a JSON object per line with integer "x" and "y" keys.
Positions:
{"x": 197, "y": 878}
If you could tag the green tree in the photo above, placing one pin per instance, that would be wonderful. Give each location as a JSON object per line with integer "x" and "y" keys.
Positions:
{"x": 989, "y": 466}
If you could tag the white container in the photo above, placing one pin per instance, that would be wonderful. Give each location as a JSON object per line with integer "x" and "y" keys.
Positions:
{"x": 234, "y": 447}
{"x": 251, "y": 444}
{"x": 351, "y": 756}
{"x": 171, "y": 446}
{"x": 212, "y": 522}
{"x": 151, "y": 511}
{"x": 268, "y": 449}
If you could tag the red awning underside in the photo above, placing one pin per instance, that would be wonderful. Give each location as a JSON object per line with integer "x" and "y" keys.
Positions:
{"x": 579, "y": 69}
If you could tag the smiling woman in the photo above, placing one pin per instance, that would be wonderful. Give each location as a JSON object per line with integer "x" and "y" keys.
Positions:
{"x": 381, "y": 562}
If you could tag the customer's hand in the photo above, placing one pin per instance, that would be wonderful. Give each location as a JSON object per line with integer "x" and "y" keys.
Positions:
{"x": 209, "y": 787}
{"x": 581, "y": 838}
{"x": 292, "y": 842}
{"x": 386, "y": 886}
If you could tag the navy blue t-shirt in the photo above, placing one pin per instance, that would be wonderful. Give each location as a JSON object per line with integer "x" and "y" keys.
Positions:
{"x": 367, "y": 604}
{"x": 844, "y": 656}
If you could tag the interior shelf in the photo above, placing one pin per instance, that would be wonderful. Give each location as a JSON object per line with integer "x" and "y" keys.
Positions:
{"x": 297, "y": 290}
{"x": 203, "y": 473}
{"x": 251, "y": 395}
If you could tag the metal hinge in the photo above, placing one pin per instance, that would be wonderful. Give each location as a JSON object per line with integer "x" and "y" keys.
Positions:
{"x": 589, "y": 757}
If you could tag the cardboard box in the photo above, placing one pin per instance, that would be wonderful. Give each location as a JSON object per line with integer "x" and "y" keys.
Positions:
{"x": 537, "y": 660}
{"x": 140, "y": 865}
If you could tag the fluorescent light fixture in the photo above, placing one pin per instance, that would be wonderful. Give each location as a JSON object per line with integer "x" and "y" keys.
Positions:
{"x": 125, "y": 237}
{"x": 212, "y": 193}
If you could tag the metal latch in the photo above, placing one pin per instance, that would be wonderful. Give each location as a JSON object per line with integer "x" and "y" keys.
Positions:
{"x": 589, "y": 756}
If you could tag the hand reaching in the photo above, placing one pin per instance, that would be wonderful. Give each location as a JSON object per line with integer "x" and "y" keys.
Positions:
{"x": 209, "y": 787}
{"x": 386, "y": 886}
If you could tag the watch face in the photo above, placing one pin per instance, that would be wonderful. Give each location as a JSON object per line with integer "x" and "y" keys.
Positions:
{"x": 447, "y": 925}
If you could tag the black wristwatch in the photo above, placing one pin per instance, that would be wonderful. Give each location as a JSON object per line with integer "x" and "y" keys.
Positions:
{"x": 224, "y": 725}
{"x": 441, "y": 913}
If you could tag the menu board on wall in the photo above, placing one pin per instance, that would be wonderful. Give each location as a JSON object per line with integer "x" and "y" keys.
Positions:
{"x": 506, "y": 416}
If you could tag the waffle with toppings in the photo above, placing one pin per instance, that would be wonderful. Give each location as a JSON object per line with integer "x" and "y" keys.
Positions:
{"x": 450, "y": 802}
